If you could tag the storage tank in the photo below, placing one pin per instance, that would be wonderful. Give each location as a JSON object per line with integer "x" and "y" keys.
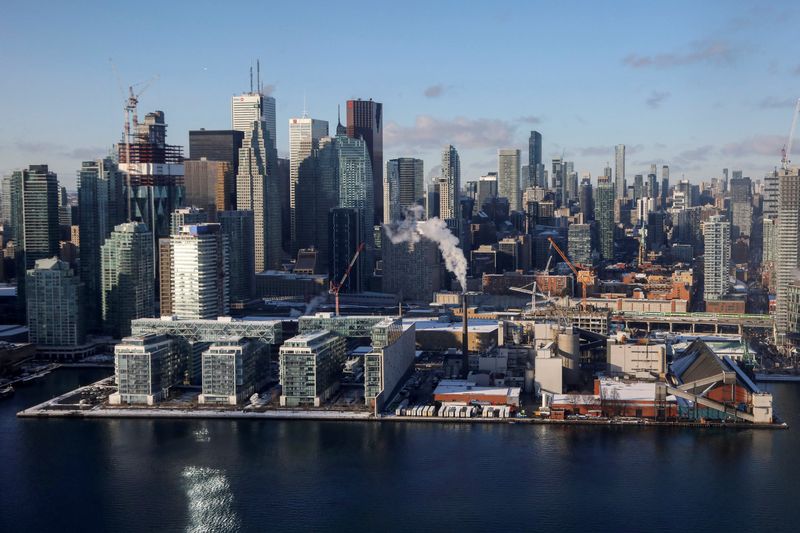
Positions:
{"x": 569, "y": 348}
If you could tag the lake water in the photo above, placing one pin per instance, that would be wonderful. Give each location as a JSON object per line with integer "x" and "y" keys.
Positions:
{"x": 194, "y": 475}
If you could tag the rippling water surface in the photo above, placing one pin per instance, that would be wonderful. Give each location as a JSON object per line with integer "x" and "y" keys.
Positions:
{"x": 165, "y": 475}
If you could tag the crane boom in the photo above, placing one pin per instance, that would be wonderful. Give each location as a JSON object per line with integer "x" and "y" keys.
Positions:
{"x": 336, "y": 287}
{"x": 787, "y": 152}
{"x": 584, "y": 276}
{"x": 563, "y": 255}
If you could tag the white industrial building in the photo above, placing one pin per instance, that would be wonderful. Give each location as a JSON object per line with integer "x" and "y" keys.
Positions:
{"x": 642, "y": 361}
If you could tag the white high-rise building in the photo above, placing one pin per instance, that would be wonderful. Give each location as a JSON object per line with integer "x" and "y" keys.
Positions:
{"x": 304, "y": 136}
{"x": 717, "y": 262}
{"x": 449, "y": 187}
{"x": 249, "y": 107}
{"x": 787, "y": 247}
{"x": 619, "y": 171}
{"x": 257, "y": 191}
{"x": 508, "y": 171}
{"x": 200, "y": 272}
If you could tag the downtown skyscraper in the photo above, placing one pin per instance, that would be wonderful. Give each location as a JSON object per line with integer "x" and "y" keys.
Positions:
{"x": 35, "y": 200}
{"x": 788, "y": 246}
{"x": 404, "y": 187}
{"x": 304, "y": 136}
{"x": 604, "y": 215}
{"x": 535, "y": 167}
{"x": 200, "y": 272}
{"x": 257, "y": 191}
{"x": 508, "y": 178}
{"x": 619, "y": 171}
{"x": 365, "y": 121}
{"x": 717, "y": 259}
{"x": 128, "y": 277}
{"x": 249, "y": 107}
{"x": 101, "y": 201}
{"x": 450, "y": 187}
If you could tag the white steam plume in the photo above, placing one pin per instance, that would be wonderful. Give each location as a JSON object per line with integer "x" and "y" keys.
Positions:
{"x": 435, "y": 229}
{"x": 315, "y": 302}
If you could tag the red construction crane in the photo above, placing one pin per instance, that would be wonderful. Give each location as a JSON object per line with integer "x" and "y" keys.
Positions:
{"x": 336, "y": 287}
{"x": 584, "y": 276}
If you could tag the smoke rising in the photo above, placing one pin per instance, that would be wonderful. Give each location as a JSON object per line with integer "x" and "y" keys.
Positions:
{"x": 315, "y": 302}
{"x": 435, "y": 229}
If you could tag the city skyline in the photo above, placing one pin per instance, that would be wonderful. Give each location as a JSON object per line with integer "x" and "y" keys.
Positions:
{"x": 661, "y": 98}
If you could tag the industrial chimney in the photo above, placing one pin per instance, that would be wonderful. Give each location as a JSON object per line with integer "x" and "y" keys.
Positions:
{"x": 464, "y": 337}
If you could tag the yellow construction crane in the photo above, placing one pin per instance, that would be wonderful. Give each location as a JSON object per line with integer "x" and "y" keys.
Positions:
{"x": 585, "y": 276}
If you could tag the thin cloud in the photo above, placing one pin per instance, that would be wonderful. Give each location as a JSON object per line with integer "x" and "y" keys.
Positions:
{"x": 716, "y": 52}
{"x": 430, "y": 132}
{"x": 796, "y": 70}
{"x": 657, "y": 98}
{"x": 530, "y": 119}
{"x": 434, "y": 91}
{"x": 49, "y": 149}
{"x": 589, "y": 151}
{"x": 758, "y": 145}
{"x": 701, "y": 153}
{"x": 38, "y": 147}
{"x": 771, "y": 102}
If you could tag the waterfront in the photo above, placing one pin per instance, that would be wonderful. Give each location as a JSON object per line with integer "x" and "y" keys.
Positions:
{"x": 217, "y": 475}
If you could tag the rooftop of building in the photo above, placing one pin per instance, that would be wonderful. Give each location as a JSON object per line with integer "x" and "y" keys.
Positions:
{"x": 218, "y": 320}
{"x": 309, "y": 336}
{"x": 474, "y": 325}
{"x": 290, "y": 275}
{"x": 463, "y": 386}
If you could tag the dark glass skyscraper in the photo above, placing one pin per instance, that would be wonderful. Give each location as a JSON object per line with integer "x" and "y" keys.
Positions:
{"x": 216, "y": 145}
{"x": 100, "y": 195}
{"x": 345, "y": 237}
{"x": 365, "y": 120}
{"x": 604, "y": 215}
{"x": 535, "y": 160}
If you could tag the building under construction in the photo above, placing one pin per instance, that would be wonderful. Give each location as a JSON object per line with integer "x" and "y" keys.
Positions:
{"x": 153, "y": 172}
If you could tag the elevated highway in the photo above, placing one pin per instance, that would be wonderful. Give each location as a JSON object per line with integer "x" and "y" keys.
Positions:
{"x": 693, "y": 322}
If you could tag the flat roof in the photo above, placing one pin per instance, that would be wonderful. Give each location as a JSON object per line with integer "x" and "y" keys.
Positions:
{"x": 309, "y": 335}
{"x": 459, "y": 386}
{"x": 474, "y": 325}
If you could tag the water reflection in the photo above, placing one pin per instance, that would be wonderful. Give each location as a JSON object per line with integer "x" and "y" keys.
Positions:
{"x": 210, "y": 501}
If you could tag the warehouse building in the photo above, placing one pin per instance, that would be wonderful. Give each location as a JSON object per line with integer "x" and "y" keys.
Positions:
{"x": 464, "y": 392}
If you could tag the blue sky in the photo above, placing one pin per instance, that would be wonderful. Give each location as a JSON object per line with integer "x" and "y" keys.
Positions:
{"x": 696, "y": 85}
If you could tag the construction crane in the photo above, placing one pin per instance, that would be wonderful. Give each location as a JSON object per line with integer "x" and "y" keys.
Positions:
{"x": 131, "y": 118}
{"x": 786, "y": 153}
{"x": 533, "y": 292}
{"x": 336, "y": 287}
{"x": 584, "y": 276}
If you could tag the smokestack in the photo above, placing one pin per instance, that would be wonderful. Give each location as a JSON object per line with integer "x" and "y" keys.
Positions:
{"x": 464, "y": 337}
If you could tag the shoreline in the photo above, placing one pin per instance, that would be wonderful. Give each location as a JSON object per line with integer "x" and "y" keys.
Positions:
{"x": 176, "y": 414}
{"x": 45, "y": 410}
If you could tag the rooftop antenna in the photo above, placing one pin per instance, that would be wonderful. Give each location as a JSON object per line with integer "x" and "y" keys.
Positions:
{"x": 251, "y": 78}
{"x": 258, "y": 75}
